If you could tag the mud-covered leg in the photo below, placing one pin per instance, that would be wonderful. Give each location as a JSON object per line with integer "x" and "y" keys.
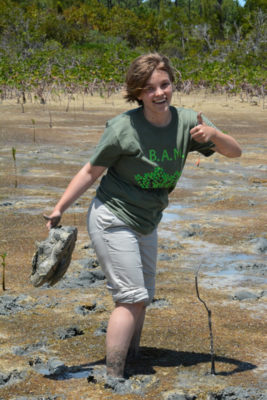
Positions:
{"x": 135, "y": 342}
{"x": 121, "y": 327}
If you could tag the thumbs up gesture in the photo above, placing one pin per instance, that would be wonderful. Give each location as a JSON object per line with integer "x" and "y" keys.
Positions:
{"x": 202, "y": 133}
{"x": 199, "y": 118}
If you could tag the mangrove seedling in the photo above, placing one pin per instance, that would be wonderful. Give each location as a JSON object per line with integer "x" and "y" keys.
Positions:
{"x": 15, "y": 165}
{"x": 3, "y": 255}
{"x": 50, "y": 120}
{"x": 33, "y": 124}
{"x": 212, "y": 354}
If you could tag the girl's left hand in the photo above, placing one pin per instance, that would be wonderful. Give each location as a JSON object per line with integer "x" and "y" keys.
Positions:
{"x": 202, "y": 133}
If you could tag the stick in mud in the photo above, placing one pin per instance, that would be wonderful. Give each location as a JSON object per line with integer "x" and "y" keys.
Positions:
{"x": 3, "y": 256}
{"x": 212, "y": 354}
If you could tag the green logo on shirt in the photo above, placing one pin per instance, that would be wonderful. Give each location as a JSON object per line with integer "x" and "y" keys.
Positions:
{"x": 157, "y": 179}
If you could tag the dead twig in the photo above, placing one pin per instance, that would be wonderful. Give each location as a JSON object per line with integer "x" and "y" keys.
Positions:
{"x": 3, "y": 256}
{"x": 212, "y": 354}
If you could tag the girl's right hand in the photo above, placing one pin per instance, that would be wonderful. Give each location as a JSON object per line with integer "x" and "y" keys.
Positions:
{"x": 53, "y": 219}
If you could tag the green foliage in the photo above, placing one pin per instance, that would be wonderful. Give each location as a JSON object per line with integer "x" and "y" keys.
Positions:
{"x": 51, "y": 43}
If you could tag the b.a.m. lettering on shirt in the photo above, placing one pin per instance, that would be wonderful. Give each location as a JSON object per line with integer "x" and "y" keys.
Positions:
{"x": 164, "y": 155}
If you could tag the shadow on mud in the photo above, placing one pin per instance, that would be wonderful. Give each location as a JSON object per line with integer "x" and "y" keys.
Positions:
{"x": 151, "y": 357}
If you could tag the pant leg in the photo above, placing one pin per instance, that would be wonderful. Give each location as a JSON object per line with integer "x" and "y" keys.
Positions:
{"x": 121, "y": 251}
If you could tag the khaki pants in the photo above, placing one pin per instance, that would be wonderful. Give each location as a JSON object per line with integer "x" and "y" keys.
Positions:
{"x": 128, "y": 258}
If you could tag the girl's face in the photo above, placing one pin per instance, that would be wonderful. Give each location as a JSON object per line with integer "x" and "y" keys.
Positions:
{"x": 156, "y": 95}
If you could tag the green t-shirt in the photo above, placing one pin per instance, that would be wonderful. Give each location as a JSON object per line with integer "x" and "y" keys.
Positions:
{"x": 144, "y": 164}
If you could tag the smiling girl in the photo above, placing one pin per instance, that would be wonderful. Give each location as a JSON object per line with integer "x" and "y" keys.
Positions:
{"x": 143, "y": 152}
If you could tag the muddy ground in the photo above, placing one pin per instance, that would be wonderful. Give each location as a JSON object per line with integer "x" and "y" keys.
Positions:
{"x": 52, "y": 339}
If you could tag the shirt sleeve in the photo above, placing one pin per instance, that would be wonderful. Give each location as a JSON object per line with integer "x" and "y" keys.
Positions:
{"x": 108, "y": 150}
{"x": 203, "y": 148}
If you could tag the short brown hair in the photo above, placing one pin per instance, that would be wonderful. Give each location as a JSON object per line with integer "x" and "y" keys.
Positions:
{"x": 140, "y": 71}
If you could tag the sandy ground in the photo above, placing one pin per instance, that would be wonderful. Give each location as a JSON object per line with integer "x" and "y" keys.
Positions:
{"x": 216, "y": 220}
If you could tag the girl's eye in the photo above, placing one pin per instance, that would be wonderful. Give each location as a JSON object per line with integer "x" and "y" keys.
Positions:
{"x": 165, "y": 85}
{"x": 152, "y": 89}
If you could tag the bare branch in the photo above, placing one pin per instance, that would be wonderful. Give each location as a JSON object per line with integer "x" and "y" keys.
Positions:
{"x": 212, "y": 354}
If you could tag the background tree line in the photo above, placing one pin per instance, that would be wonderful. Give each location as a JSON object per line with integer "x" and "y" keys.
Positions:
{"x": 70, "y": 44}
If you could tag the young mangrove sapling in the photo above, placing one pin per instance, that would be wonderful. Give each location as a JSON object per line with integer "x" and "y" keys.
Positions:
{"x": 3, "y": 255}
{"x": 33, "y": 124}
{"x": 15, "y": 165}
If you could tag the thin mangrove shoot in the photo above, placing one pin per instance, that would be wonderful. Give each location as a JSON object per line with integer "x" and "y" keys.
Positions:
{"x": 15, "y": 165}
{"x": 3, "y": 256}
{"x": 33, "y": 124}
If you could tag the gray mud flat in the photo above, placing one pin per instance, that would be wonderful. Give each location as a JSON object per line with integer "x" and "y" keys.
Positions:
{"x": 53, "y": 337}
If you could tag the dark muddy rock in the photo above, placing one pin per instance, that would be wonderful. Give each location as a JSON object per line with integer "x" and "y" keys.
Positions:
{"x": 167, "y": 257}
{"x": 66, "y": 333}
{"x": 87, "y": 246}
{"x": 175, "y": 395}
{"x": 102, "y": 330}
{"x": 86, "y": 309}
{"x": 118, "y": 385}
{"x": 136, "y": 385}
{"x": 159, "y": 303}
{"x": 41, "y": 397}
{"x": 255, "y": 268}
{"x": 6, "y": 204}
{"x": 88, "y": 263}
{"x": 92, "y": 276}
{"x": 245, "y": 295}
{"x": 53, "y": 366}
{"x": 260, "y": 245}
{"x": 86, "y": 278}
{"x": 10, "y": 305}
{"x": 89, "y": 308}
{"x": 230, "y": 393}
{"x": 170, "y": 246}
{"x": 31, "y": 348}
{"x": 193, "y": 230}
{"x": 53, "y": 256}
{"x": 12, "y": 377}
{"x": 238, "y": 393}
{"x": 46, "y": 301}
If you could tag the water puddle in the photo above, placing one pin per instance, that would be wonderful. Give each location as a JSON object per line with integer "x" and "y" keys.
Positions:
{"x": 169, "y": 216}
{"x": 225, "y": 267}
{"x": 77, "y": 374}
